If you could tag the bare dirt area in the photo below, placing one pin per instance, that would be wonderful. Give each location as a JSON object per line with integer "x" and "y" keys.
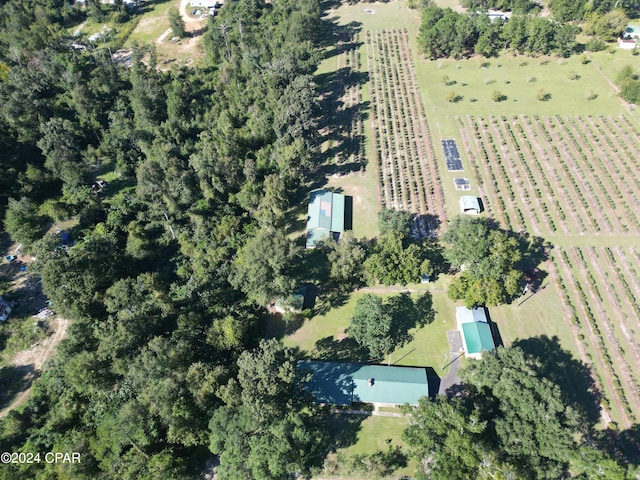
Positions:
{"x": 31, "y": 361}
{"x": 154, "y": 28}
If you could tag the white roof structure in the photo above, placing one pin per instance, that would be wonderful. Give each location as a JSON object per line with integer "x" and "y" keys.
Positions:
{"x": 469, "y": 204}
{"x": 5, "y": 310}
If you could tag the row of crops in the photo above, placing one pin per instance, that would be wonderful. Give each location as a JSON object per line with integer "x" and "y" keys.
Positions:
{"x": 557, "y": 175}
{"x": 573, "y": 181}
{"x": 407, "y": 170}
{"x": 601, "y": 291}
{"x": 347, "y": 123}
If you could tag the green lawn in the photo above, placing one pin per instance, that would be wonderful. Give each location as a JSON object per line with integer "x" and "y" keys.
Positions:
{"x": 324, "y": 333}
{"x": 538, "y": 313}
{"x": 378, "y": 434}
{"x": 152, "y": 24}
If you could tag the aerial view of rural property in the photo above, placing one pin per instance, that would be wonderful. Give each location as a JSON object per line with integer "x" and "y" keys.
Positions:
{"x": 319, "y": 239}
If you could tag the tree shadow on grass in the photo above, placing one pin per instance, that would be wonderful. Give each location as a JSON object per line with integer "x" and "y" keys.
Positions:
{"x": 15, "y": 380}
{"x": 407, "y": 314}
{"x": 330, "y": 299}
{"x": 278, "y": 325}
{"x": 346, "y": 349}
{"x": 628, "y": 441}
{"x": 573, "y": 376}
{"x": 336, "y": 431}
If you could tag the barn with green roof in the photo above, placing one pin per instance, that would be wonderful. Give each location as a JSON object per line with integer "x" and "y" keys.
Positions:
{"x": 325, "y": 217}
{"x": 475, "y": 330}
{"x": 337, "y": 383}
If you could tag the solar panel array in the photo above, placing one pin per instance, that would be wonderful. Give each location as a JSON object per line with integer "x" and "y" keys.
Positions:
{"x": 462, "y": 183}
{"x": 452, "y": 156}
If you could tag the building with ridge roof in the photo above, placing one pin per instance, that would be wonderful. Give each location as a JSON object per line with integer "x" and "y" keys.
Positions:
{"x": 337, "y": 383}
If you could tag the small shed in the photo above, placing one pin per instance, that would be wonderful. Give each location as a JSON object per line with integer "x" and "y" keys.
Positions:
{"x": 325, "y": 217}
{"x": 498, "y": 15}
{"x": 293, "y": 303}
{"x": 627, "y": 43}
{"x": 5, "y": 310}
{"x": 475, "y": 331}
{"x": 338, "y": 383}
{"x": 204, "y": 3}
{"x": 470, "y": 205}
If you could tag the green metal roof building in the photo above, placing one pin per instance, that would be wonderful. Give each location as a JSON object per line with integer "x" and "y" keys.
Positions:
{"x": 345, "y": 383}
{"x": 325, "y": 216}
{"x": 475, "y": 330}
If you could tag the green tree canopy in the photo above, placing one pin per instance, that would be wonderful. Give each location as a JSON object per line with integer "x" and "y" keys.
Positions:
{"x": 23, "y": 222}
{"x": 395, "y": 260}
{"x": 488, "y": 258}
{"x": 509, "y": 420}
{"x": 346, "y": 258}
{"x": 394, "y": 221}
{"x": 381, "y": 327}
{"x": 262, "y": 268}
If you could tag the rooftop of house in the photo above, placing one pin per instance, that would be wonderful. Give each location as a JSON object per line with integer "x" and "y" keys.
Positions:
{"x": 344, "y": 383}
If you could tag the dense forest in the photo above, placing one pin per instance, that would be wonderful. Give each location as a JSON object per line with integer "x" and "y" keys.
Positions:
{"x": 445, "y": 33}
{"x": 166, "y": 365}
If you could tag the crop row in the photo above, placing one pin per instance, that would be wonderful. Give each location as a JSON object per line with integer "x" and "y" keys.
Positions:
{"x": 407, "y": 170}
{"x": 558, "y": 174}
{"x": 591, "y": 291}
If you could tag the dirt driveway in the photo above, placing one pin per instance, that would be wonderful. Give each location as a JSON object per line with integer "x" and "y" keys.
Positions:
{"x": 32, "y": 360}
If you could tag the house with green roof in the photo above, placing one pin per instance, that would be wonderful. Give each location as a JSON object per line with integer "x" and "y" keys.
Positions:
{"x": 325, "y": 217}
{"x": 475, "y": 331}
{"x": 337, "y": 383}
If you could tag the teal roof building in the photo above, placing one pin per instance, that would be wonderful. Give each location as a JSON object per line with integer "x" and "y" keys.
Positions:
{"x": 475, "y": 330}
{"x": 345, "y": 383}
{"x": 325, "y": 217}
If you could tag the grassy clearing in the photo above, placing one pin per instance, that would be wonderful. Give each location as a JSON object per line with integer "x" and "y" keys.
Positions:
{"x": 429, "y": 346}
{"x": 378, "y": 434}
{"x": 152, "y": 24}
{"x": 538, "y": 313}
{"x": 394, "y": 14}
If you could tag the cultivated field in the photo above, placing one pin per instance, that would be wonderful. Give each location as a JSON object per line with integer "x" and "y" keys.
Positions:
{"x": 571, "y": 180}
{"x": 403, "y": 148}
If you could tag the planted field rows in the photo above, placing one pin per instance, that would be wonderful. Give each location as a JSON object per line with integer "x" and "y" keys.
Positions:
{"x": 601, "y": 289}
{"x": 562, "y": 177}
{"x": 557, "y": 175}
{"x": 407, "y": 169}
{"x": 348, "y": 124}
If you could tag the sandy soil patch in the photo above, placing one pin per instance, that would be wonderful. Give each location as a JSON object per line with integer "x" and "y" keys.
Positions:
{"x": 32, "y": 360}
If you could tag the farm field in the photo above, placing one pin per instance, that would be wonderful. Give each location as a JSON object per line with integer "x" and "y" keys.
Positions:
{"x": 562, "y": 169}
{"x": 403, "y": 149}
{"x": 580, "y": 188}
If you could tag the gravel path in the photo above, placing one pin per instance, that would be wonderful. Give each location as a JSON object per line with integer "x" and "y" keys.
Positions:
{"x": 455, "y": 354}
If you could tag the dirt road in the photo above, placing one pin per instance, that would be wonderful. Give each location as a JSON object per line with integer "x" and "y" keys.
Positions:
{"x": 34, "y": 358}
